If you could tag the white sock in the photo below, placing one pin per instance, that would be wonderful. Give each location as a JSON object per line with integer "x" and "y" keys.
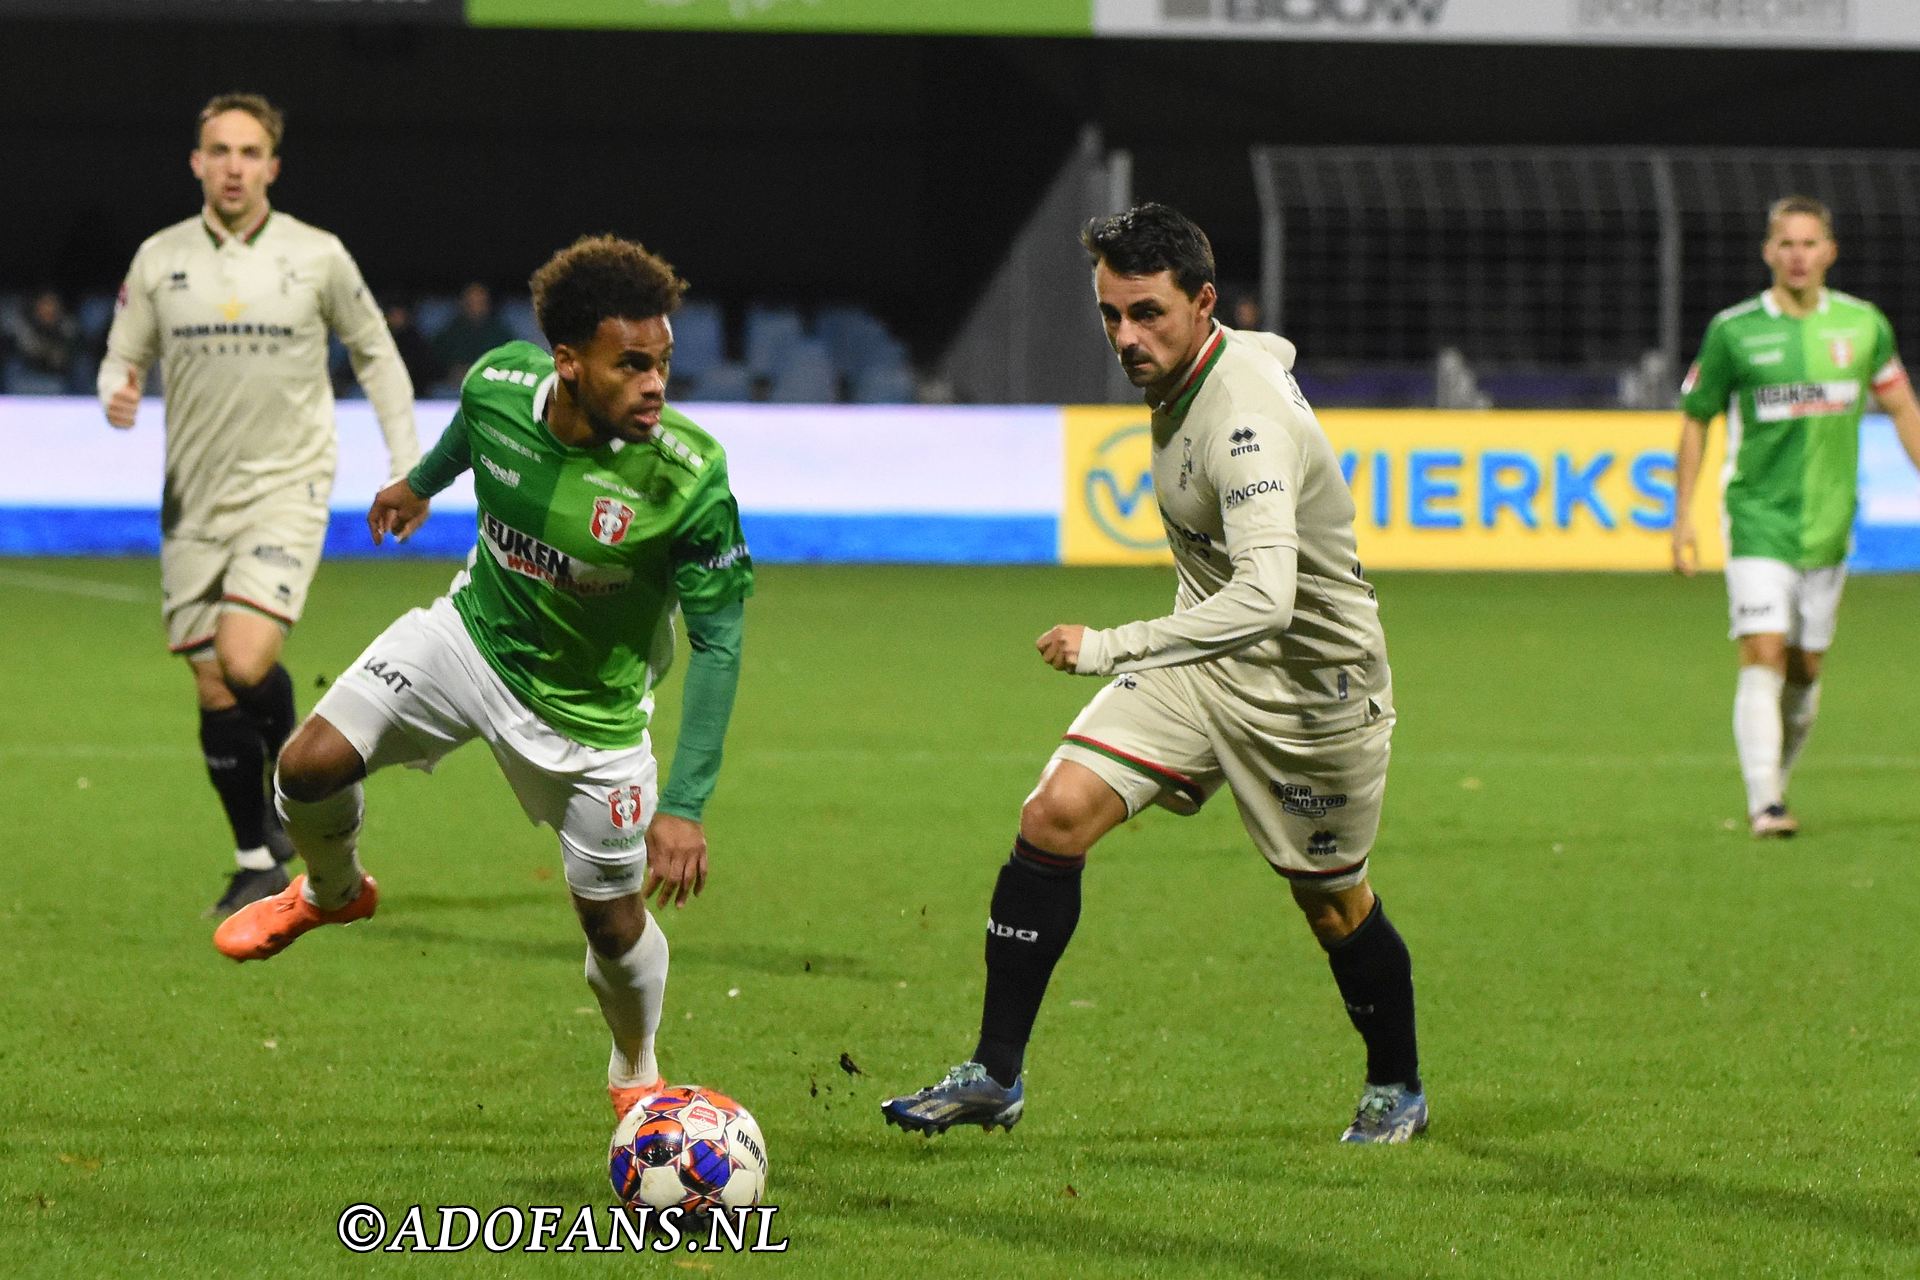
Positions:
{"x": 1757, "y": 734}
{"x": 631, "y": 989}
{"x": 259, "y": 858}
{"x": 1799, "y": 704}
{"x": 325, "y": 834}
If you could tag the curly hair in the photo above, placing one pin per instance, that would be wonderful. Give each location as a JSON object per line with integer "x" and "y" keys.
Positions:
{"x": 597, "y": 278}
{"x": 1148, "y": 239}
{"x": 254, "y": 105}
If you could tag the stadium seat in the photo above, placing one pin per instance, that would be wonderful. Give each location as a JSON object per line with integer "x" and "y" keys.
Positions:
{"x": 770, "y": 331}
{"x": 805, "y": 375}
{"x": 431, "y": 313}
{"x": 699, "y": 339}
{"x": 94, "y": 314}
{"x": 885, "y": 384}
{"x": 857, "y": 339}
{"x": 517, "y": 315}
{"x": 727, "y": 381}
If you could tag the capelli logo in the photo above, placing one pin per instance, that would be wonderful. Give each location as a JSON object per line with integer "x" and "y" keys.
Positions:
{"x": 1308, "y": 13}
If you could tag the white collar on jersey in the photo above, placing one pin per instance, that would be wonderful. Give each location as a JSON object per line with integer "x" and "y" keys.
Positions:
{"x": 1772, "y": 304}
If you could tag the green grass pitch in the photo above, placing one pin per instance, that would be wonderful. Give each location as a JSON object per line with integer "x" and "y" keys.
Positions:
{"x": 1653, "y": 1047}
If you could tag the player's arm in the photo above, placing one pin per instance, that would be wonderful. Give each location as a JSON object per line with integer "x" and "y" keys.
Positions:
{"x": 402, "y": 506}
{"x": 713, "y": 574}
{"x": 1686, "y": 478}
{"x": 1894, "y": 389}
{"x": 351, "y": 312}
{"x": 133, "y": 343}
{"x": 1898, "y": 400}
{"x": 1702, "y": 398}
{"x": 1258, "y": 492}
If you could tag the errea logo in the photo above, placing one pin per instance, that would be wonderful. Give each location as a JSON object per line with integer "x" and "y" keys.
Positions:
{"x": 518, "y": 377}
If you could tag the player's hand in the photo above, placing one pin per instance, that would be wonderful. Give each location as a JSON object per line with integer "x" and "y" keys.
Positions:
{"x": 1686, "y": 552}
{"x": 124, "y": 403}
{"x": 676, "y": 859}
{"x": 397, "y": 510}
{"x": 1060, "y": 647}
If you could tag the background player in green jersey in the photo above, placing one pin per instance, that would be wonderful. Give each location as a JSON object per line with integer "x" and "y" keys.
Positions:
{"x": 602, "y": 512}
{"x": 1791, "y": 369}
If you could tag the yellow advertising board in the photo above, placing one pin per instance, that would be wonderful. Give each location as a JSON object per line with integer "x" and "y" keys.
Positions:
{"x": 1108, "y": 514}
{"x": 1433, "y": 489}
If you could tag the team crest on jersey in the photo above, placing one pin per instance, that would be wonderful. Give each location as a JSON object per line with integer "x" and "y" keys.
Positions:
{"x": 1841, "y": 348}
{"x": 624, "y": 805}
{"x": 610, "y": 521}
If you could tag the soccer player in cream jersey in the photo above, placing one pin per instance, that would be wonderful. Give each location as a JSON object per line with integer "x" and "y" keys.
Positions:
{"x": 1792, "y": 370}
{"x": 236, "y": 304}
{"x": 1269, "y": 678}
{"x": 602, "y": 513}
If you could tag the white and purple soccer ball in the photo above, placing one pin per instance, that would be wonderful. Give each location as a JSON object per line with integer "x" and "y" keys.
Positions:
{"x": 689, "y": 1148}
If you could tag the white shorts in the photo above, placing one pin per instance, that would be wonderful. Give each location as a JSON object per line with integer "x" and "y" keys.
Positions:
{"x": 422, "y": 689}
{"x": 1771, "y": 597}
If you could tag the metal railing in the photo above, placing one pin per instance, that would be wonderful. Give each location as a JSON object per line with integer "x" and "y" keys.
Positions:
{"x": 1590, "y": 261}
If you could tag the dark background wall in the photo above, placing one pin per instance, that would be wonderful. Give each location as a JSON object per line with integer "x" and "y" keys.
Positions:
{"x": 888, "y": 170}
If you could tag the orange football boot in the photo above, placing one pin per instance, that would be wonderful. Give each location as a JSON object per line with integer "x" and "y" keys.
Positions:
{"x": 623, "y": 1098}
{"x": 265, "y": 928}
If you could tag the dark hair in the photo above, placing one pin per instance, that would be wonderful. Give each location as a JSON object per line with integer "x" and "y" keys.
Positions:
{"x": 597, "y": 278}
{"x": 254, "y": 105}
{"x": 1148, "y": 239}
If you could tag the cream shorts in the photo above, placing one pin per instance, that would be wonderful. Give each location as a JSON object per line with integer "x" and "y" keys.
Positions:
{"x": 1310, "y": 801}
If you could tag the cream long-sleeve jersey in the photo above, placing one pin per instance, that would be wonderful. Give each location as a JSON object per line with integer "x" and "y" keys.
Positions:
{"x": 1271, "y": 603}
{"x": 239, "y": 324}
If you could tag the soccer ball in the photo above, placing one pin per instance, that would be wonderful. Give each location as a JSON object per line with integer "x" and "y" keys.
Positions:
{"x": 688, "y": 1148}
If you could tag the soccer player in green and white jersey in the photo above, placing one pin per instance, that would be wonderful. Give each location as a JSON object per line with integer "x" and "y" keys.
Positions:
{"x": 1791, "y": 369}
{"x": 602, "y": 512}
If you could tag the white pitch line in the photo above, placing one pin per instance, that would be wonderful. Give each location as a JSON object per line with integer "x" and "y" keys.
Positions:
{"x": 93, "y": 751}
{"x": 73, "y": 586}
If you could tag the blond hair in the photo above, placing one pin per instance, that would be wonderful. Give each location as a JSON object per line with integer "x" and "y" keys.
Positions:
{"x": 254, "y": 105}
{"x": 1788, "y": 206}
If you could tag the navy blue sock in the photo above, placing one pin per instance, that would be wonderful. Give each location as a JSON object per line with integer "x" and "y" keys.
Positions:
{"x": 1375, "y": 976}
{"x": 1036, "y": 904}
{"x": 236, "y": 762}
{"x": 270, "y": 705}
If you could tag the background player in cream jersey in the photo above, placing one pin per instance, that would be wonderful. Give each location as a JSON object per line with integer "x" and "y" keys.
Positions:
{"x": 236, "y": 304}
{"x": 1792, "y": 369}
{"x": 1269, "y": 679}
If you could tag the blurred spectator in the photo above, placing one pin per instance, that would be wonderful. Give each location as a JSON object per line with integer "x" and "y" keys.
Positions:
{"x": 472, "y": 333}
{"x": 1245, "y": 314}
{"x": 45, "y": 341}
{"x": 415, "y": 351}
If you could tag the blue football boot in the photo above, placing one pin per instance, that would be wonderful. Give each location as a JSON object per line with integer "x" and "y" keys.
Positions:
{"x": 968, "y": 1095}
{"x": 1387, "y": 1113}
